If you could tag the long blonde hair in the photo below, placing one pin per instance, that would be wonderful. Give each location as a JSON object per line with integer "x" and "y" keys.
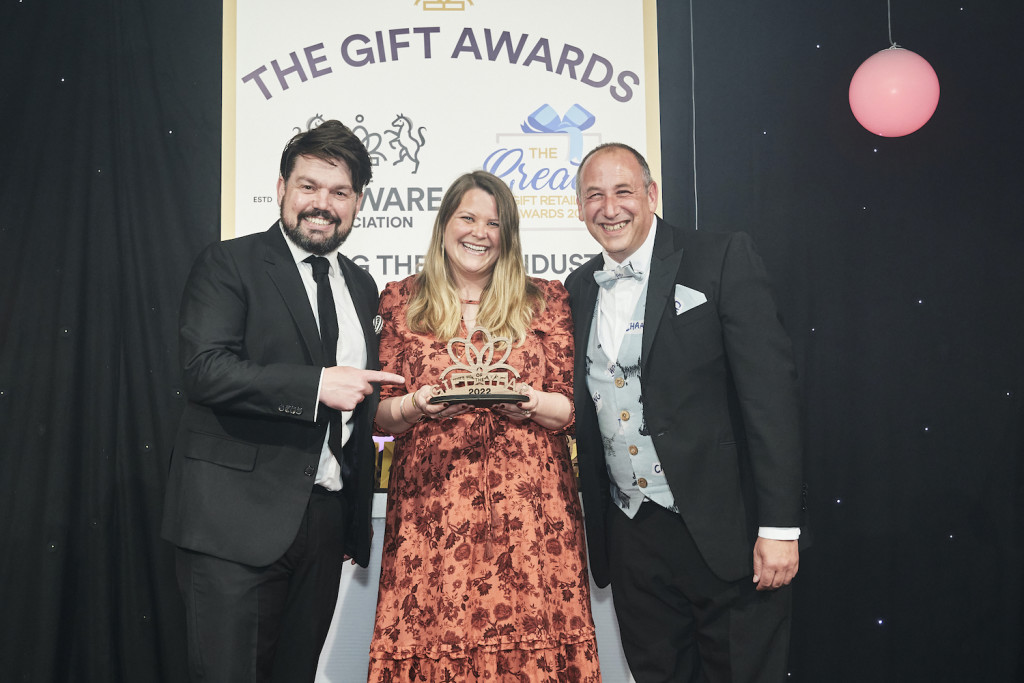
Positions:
{"x": 508, "y": 302}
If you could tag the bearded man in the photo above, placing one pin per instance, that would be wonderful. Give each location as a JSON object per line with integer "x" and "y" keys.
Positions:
{"x": 271, "y": 476}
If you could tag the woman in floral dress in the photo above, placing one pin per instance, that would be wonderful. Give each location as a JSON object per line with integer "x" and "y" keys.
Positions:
{"x": 483, "y": 575}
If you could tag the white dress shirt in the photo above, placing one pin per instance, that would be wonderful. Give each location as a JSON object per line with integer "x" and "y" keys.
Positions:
{"x": 351, "y": 348}
{"x": 617, "y": 303}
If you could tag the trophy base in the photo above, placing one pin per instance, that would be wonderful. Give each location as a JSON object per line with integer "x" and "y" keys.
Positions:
{"x": 482, "y": 400}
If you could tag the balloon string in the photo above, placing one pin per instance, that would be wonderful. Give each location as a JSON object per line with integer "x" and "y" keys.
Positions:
{"x": 693, "y": 123}
{"x": 888, "y": 9}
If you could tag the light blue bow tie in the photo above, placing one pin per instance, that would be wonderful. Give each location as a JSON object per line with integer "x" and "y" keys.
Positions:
{"x": 607, "y": 278}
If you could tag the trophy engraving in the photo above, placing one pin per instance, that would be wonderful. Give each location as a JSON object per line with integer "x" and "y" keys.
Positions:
{"x": 473, "y": 377}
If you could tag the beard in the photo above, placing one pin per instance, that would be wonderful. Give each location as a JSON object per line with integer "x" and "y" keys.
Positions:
{"x": 316, "y": 243}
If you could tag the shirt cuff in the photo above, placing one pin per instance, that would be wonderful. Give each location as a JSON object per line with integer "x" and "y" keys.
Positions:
{"x": 779, "y": 533}
{"x": 319, "y": 386}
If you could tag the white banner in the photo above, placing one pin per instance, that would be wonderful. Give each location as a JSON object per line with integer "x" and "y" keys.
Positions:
{"x": 436, "y": 88}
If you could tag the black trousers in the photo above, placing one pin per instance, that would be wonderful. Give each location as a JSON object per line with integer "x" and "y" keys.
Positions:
{"x": 681, "y": 623}
{"x": 266, "y": 624}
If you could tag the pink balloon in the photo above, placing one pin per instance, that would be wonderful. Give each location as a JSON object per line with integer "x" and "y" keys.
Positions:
{"x": 894, "y": 92}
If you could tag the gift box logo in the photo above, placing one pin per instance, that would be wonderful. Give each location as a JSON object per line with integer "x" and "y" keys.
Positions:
{"x": 576, "y": 120}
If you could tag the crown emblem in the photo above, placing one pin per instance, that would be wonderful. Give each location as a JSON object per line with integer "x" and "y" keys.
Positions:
{"x": 475, "y": 376}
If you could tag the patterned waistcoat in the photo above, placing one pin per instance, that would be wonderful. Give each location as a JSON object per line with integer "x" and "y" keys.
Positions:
{"x": 614, "y": 385}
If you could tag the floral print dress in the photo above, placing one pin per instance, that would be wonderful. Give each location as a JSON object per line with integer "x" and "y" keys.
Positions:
{"x": 483, "y": 575}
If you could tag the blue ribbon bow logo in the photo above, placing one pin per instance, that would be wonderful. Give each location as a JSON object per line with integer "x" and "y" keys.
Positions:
{"x": 575, "y": 121}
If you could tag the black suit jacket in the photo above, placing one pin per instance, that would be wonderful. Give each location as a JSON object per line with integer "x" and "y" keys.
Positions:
{"x": 247, "y": 449}
{"x": 718, "y": 388}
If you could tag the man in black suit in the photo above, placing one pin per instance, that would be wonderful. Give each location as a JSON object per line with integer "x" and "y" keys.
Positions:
{"x": 687, "y": 433}
{"x": 271, "y": 475}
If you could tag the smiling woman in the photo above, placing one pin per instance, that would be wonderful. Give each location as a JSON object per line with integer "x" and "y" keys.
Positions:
{"x": 472, "y": 242}
{"x": 484, "y": 490}
{"x": 488, "y": 267}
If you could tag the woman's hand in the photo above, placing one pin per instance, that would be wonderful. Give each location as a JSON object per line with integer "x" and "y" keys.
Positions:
{"x": 523, "y": 410}
{"x": 433, "y": 411}
{"x": 399, "y": 413}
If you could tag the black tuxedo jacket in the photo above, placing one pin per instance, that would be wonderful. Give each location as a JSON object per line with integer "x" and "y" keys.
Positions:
{"x": 718, "y": 387}
{"x": 247, "y": 449}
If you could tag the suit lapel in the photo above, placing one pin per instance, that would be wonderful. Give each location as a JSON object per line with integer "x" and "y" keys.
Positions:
{"x": 283, "y": 272}
{"x": 583, "y": 307}
{"x": 664, "y": 266}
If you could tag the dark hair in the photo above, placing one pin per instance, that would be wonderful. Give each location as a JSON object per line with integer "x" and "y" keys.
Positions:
{"x": 644, "y": 168}
{"x": 331, "y": 141}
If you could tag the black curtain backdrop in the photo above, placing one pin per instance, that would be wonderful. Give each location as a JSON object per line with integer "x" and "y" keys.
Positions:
{"x": 896, "y": 262}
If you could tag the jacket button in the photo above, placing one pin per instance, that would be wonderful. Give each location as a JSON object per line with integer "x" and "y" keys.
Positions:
{"x": 298, "y": 410}
{"x": 309, "y": 471}
{"x": 619, "y": 382}
{"x": 633, "y": 450}
{"x": 624, "y": 415}
{"x": 281, "y": 408}
{"x": 641, "y": 482}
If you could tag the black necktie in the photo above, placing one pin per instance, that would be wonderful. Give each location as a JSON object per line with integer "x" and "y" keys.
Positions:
{"x": 329, "y": 339}
{"x": 325, "y": 307}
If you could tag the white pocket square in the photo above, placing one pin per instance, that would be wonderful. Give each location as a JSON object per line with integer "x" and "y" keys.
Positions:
{"x": 687, "y": 298}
